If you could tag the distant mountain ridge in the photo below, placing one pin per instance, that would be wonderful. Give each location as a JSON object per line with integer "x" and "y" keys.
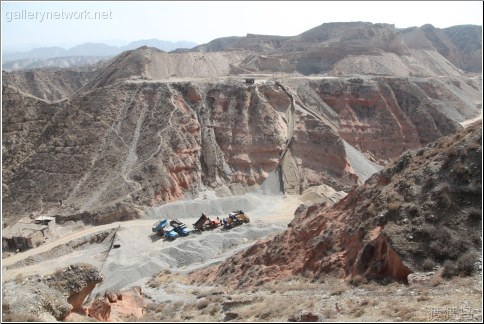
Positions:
{"x": 314, "y": 51}
{"x": 461, "y": 45}
{"x": 98, "y": 50}
{"x": 56, "y": 62}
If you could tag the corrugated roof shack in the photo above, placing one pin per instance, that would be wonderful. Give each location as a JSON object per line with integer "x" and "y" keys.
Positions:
{"x": 23, "y": 235}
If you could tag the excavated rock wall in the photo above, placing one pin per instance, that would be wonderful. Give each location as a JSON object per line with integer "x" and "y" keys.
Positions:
{"x": 108, "y": 152}
{"x": 424, "y": 206}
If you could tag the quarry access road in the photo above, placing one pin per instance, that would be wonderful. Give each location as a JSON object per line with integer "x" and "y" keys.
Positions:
{"x": 142, "y": 254}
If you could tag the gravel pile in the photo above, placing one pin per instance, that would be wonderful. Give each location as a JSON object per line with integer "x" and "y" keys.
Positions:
{"x": 363, "y": 167}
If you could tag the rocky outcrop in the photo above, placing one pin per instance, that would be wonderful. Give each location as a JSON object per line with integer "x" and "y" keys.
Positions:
{"x": 32, "y": 296}
{"x": 118, "y": 306}
{"x": 383, "y": 228}
{"x": 77, "y": 282}
{"x": 100, "y": 309}
{"x": 53, "y": 297}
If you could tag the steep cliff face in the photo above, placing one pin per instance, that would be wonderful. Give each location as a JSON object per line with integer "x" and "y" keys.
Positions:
{"x": 425, "y": 205}
{"x": 114, "y": 149}
{"x": 383, "y": 117}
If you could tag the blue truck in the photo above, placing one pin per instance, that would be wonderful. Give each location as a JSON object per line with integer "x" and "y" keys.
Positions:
{"x": 162, "y": 228}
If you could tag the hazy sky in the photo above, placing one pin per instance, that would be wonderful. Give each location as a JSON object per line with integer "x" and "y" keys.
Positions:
{"x": 68, "y": 24}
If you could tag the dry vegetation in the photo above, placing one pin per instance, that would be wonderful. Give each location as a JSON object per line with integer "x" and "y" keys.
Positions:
{"x": 330, "y": 299}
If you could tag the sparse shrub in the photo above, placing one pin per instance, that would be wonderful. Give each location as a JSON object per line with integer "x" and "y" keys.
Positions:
{"x": 394, "y": 206}
{"x": 19, "y": 278}
{"x": 168, "y": 311}
{"x": 338, "y": 291}
{"x": 473, "y": 146}
{"x": 358, "y": 312}
{"x": 474, "y": 214}
{"x": 386, "y": 281}
{"x": 151, "y": 307}
{"x": 442, "y": 195}
{"x": 5, "y": 308}
{"x": 461, "y": 172}
{"x": 202, "y": 303}
{"x": 83, "y": 265}
{"x": 465, "y": 263}
{"x": 412, "y": 210}
{"x": 189, "y": 307}
{"x": 329, "y": 312}
{"x": 423, "y": 298}
{"x": 57, "y": 272}
{"x": 428, "y": 264}
{"x": 159, "y": 308}
{"x": 450, "y": 269}
{"x": 216, "y": 298}
{"x": 358, "y": 280}
{"x": 212, "y": 309}
{"x": 436, "y": 281}
{"x": 429, "y": 183}
{"x": 445, "y": 245}
{"x": 452, "y": 151}
{"x": 405, "y": 312}
{"x": 154, "y": 283}
{"x": 371, "y": 209}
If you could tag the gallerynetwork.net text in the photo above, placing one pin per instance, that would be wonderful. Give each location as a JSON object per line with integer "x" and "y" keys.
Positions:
{"x": 57, "y": 15}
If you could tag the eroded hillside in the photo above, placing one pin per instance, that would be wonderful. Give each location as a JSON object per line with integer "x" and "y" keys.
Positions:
{"x": 148, "y": 127}
{"x": 112, "y": 150}
{"x": 425, "y": 208}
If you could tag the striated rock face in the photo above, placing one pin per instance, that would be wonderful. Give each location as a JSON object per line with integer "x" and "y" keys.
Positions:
{"x": 150, "y": 143}
{"x": 384, "y": 117}
{"x": 133, "y": 132}
{"x": 425, "y": 205}
{"x": 105, "y": 153}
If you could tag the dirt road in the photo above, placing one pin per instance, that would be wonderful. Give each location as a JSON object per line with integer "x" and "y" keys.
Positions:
{"x": 141, "y": 254}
